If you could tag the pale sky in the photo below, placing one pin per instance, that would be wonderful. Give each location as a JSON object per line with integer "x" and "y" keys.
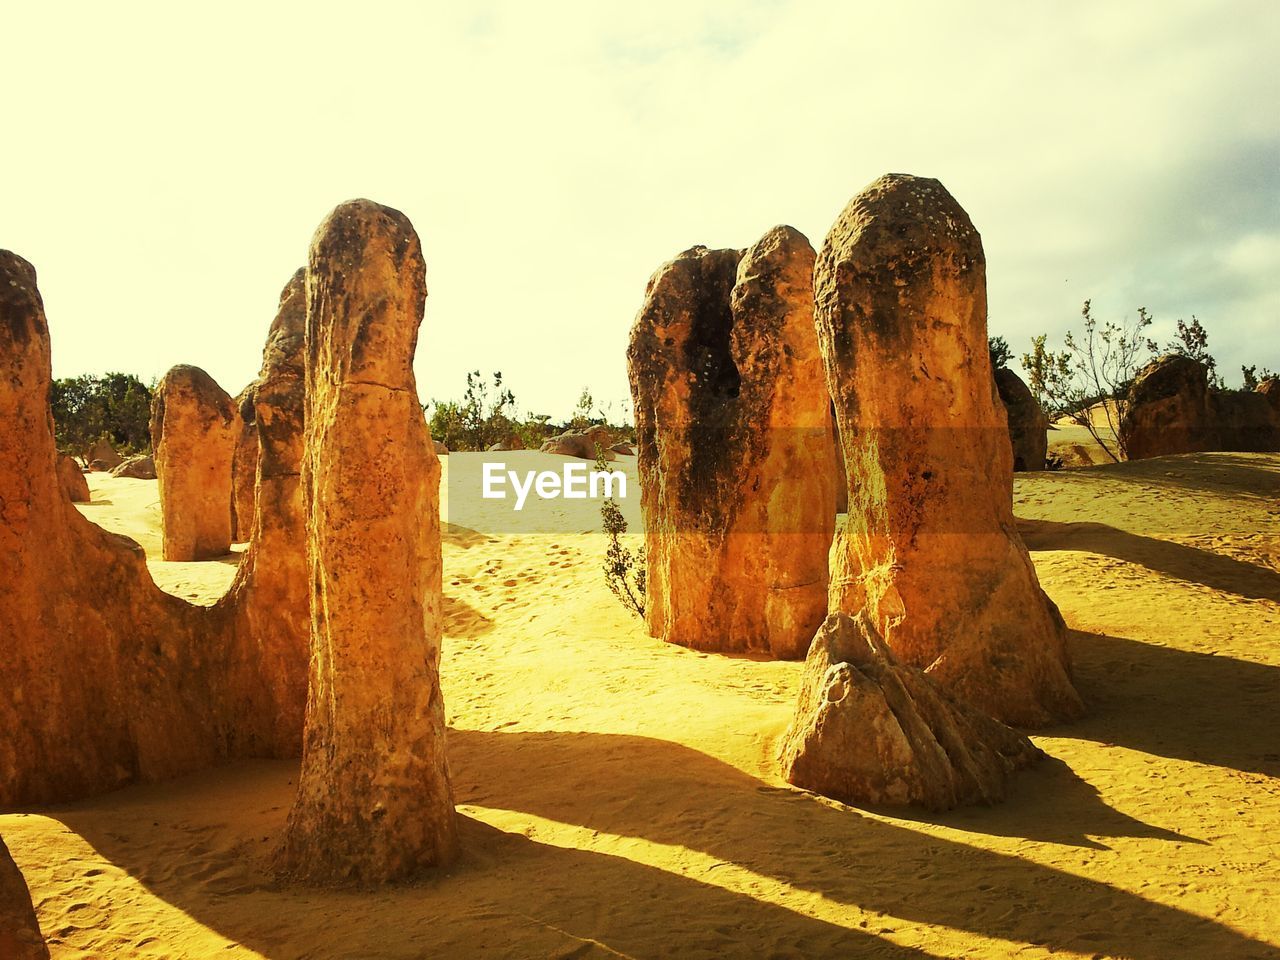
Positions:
{"x": 164, "y": 165}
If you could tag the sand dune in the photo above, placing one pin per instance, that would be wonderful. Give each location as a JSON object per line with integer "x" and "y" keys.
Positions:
{"x": 619, "y": 797}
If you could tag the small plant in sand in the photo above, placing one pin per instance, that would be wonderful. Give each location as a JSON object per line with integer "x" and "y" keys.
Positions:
{"x": 1094, "y": 372}
{"x": 624, "y": 570}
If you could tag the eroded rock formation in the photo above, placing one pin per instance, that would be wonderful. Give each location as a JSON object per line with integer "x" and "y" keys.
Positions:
{"x": 930, "y": 550}
{"x": 108, "y": 680}
{"x": 736, "y": 460}
{"x": 141, "y": 467}
{"x": 269, "y": 601}
{"x": 194, "y": 426}
{"x": 74, "y": 485}
{"x": 244, "y": 465}
{"x": 1173, "y": 409}
{"x": 102, "y": 451}
{"x": 374, "y": 801}
{"x": 869, "y": 729}
{"x": 584, "y": 443}
{"x": 20, "y": 937}
{"x": 1168, "y": 410}
{"x": 1028, "y": 426}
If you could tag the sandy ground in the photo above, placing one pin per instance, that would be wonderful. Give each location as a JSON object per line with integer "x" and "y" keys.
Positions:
{"x": 618, "y": 796}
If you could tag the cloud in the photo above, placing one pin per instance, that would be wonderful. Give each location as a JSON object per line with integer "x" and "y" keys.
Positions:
{"x": 168, "y": 166}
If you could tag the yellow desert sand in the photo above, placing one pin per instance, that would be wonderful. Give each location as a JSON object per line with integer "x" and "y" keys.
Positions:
{"x": 618, "y": 796}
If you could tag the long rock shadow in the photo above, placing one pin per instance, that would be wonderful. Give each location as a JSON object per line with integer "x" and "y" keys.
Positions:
{"x": 670, "y": 794}
{"x": 1176, "y": 703}
{"x": 1237, "y": 475}
{"x": 1162, "y": 556}
{"x": 510, "y": 895}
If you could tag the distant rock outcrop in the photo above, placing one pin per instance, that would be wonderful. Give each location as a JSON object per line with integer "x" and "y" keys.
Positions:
{"x": 374, "y": 801}
{"x": 1028, "y": 426}
{"x": 20, "y": 937}
{"x": 734, "y": 443}
{"x": 1173, "y": 409}
{"x": 1168, "y": 410}
{"x": 194, "y": 426}
{"x": 140, "y": 467}
{"x": 583, "y": 443}
{"x": 869, "y": 729}
{"x": 70, "y": 476}
{"x": 931, "y": 551}
{"x": 103, "y": 451}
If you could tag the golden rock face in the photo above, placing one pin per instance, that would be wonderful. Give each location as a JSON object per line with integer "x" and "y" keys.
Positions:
{"x": 194, "y": 430}
{"x": 374, "y": 800}
{"x": 111, "y": 680}
{"x": 737, "y": 465}
{"x": 930, "y": 550}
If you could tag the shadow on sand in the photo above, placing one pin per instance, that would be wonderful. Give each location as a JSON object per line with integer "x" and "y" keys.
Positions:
{"x": 596, "y": 904}
{"x": 1176, "y": 703}
{"x": 1177, "y": 560}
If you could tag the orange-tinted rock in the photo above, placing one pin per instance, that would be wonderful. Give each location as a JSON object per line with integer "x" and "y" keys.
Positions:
{"x": 194, "y": 426}
{"x": 107, "y": 679}
{"x": 244, "y": 466}
{"x": 869, "y": 729}
{"x": 141, "y": 467}
{"x": 736, "y": 461}
{"x": 374, "y": 800}
{"x": 266, "y": 613}
{"x": 1172, "y": 409}
{"x": 20, "y": 937}
{"x": 930, "y": 550}
{"x": 103, "y": 451}
{"x": 1168, "y": 410}
{"x": 1028, "y": 426}
{"x": 586, "y": 443}
{"x": 74, "y": 485}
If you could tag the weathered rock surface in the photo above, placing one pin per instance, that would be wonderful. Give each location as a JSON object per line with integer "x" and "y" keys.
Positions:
{"x": 20, "y": 937}
{"x": 1028, "y": 426}
{"x": 374, "y": 800}
{"x": 869, "y": 729}
{"x": 244, "y": 465}
{"x": 268, "y": 604}
{"x": 736, "y": 461}
{"x": 74, "y": 485}
{"x": 512, "y": 443}
{"x": 583, "y": 443}
{"x": 1168, "y": 410}
{"x": 1245, "y": 421}
{"x": 930, "y": 550}
{"x": 194, "y": 426}
{"x": 140, "y": 467}
{"x": 1172, "y": 409}
{"x": 103, "y": 451}
{"x": 623, "y": 449}
{"x": 108, "y": 680}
